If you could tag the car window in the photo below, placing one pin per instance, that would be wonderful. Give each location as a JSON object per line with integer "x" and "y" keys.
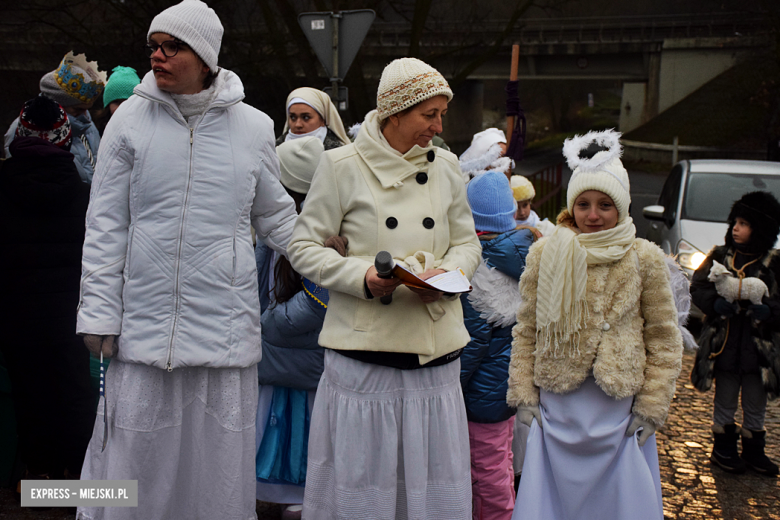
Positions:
{"x": 709, "y": 196}
{"x": 670, "y": 194}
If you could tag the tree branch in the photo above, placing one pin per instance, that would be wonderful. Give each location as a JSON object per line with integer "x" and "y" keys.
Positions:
{"x": 520, "y": 8}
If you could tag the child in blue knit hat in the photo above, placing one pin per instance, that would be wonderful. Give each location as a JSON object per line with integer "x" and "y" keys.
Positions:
{"x": 490, "y": 312}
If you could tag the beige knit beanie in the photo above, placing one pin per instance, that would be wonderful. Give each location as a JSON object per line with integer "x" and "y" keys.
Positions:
{"x": 603, "y": 172}
{"x": 298, "y": 160}
{"x": 194, "y": 23}
{"x": 406, "y": 82}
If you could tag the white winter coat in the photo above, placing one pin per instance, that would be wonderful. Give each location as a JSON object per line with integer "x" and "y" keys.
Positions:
{"x": 168, "y": 261}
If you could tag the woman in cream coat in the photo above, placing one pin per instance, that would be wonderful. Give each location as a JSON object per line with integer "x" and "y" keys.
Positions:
{"x": 596, "y": 354}
{"x": 391, "y": 434}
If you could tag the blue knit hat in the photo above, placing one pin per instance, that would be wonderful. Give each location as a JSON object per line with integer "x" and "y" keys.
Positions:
{"x": 492, "y": 203}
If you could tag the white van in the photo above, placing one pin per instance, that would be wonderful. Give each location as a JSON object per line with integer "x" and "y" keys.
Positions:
{"x": 690, "y": 215}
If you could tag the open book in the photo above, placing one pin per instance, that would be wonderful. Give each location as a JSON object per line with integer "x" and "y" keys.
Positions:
{"x": 452, "y": 282}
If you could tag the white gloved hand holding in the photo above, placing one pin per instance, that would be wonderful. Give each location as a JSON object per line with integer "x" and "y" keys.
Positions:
{"x": 95, "y": 344}
{"x": 648, "y": 429}
{"x": 527, "y": 414}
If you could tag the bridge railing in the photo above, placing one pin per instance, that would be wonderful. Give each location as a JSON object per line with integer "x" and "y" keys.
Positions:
{"x": 605, "y": 29}
{"x": 548, "y": 184}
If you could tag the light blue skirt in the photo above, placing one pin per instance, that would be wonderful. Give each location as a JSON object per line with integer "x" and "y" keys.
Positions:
{"x": 581, "y": 465}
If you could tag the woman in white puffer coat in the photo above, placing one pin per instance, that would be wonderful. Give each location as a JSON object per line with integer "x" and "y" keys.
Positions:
{"x": 169, "y": 270}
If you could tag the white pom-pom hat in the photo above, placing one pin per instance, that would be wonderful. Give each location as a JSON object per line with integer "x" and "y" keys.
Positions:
{"x": 603, "y": 172}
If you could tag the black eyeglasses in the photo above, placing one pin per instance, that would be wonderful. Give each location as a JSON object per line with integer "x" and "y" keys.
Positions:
{"x": 169, "y": 48}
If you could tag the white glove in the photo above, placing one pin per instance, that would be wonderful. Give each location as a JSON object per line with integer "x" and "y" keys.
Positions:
{"x": 527, "y": 414}
{"x": 97, "y": 343}
{"x": 647, "y": 427}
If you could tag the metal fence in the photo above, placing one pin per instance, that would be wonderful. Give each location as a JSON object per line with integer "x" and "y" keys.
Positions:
{"x": 548, "y": 184}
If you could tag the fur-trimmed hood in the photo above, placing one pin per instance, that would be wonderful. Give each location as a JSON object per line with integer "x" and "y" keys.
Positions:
{"x": 762, "y": 210}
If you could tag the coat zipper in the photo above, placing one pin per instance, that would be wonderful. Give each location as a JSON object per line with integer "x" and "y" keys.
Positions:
{"x": 175, "y": 109}
{"x": 233, "y": 279}
{"x": 176, "y": 289}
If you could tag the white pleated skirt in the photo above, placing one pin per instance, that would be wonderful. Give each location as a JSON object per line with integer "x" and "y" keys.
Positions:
{"x": 186, "y": 436}
{"x": 388, "y": 444}
{"x": 581, "y": 466}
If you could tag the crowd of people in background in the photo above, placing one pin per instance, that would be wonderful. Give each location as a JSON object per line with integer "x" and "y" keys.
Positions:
{"x": 258, "y": 352}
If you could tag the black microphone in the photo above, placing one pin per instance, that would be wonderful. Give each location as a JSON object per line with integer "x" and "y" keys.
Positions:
{"x": 384, "y": 269}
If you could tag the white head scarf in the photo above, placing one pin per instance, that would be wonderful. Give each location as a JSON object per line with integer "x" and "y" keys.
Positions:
{"x": 322, "y": 103}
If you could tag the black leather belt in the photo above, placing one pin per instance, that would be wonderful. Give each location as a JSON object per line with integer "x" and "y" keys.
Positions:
{"x": 400, "y": 360}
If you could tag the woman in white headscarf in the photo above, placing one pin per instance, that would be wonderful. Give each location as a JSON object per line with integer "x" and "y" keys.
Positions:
{"x": 310, "y": 112}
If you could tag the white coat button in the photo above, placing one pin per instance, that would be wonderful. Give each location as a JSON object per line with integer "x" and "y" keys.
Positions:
{"x": 605, "y": 327}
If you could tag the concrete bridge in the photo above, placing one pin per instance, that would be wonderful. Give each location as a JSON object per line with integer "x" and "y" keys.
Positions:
{"x": 658, "y": 60}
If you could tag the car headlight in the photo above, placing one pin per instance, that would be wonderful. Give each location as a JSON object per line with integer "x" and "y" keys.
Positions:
{"x": 688, "y": 256}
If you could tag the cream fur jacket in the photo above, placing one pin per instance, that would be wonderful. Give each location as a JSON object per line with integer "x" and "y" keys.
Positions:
{"x": 379, "y": 200}
{"x": 631, "y": 340}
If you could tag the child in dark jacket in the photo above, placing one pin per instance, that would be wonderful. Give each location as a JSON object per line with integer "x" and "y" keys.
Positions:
{"x": 490, "y": 312}
{"x": 739, "y": 342}
{"x": 43, "y": 205}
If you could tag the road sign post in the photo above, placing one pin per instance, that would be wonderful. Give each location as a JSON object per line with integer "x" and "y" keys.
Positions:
{"x": 336, "y": 39}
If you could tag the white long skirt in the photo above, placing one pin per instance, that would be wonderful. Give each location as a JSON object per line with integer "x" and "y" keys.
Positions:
{"x": 266, "y": 491}
{"x": 187, "y": 437}
{"x": 388, "y": 444}
{"x": 581, "y": 466}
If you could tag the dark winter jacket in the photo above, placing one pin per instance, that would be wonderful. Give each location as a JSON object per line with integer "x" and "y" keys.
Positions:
{"x": 291, "y": 355}
{"x": 490, "y": 312}
{"x": 43, "y": 204}
{"x": 331, "y": 140}
{"x": 751, "y": 347}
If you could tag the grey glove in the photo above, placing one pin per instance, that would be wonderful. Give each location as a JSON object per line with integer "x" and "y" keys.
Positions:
{"x": 527, "y": 414}
{"x": 647, "y": 427}
{"x": 97, "y": 343}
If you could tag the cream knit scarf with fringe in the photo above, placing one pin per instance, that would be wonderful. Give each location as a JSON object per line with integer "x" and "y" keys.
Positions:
{"x": 563, "y": 278}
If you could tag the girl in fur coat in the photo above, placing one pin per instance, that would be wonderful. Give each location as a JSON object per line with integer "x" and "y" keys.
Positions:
{"x": 739, "y": 342}
{"x": 596, "y": 353}
{"x": 489, "y": 311}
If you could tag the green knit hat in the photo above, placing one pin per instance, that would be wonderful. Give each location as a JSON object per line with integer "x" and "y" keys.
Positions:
{"x": 120, "y": 85}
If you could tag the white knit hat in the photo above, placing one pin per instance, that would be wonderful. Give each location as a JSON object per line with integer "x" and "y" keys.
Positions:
{"x": 603, "y": 172}
{"x": 194, "y": 23}
{"x": 298, "y": 160}
{"x": 522, "y": 188}
{"x": 406, "y": 82}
